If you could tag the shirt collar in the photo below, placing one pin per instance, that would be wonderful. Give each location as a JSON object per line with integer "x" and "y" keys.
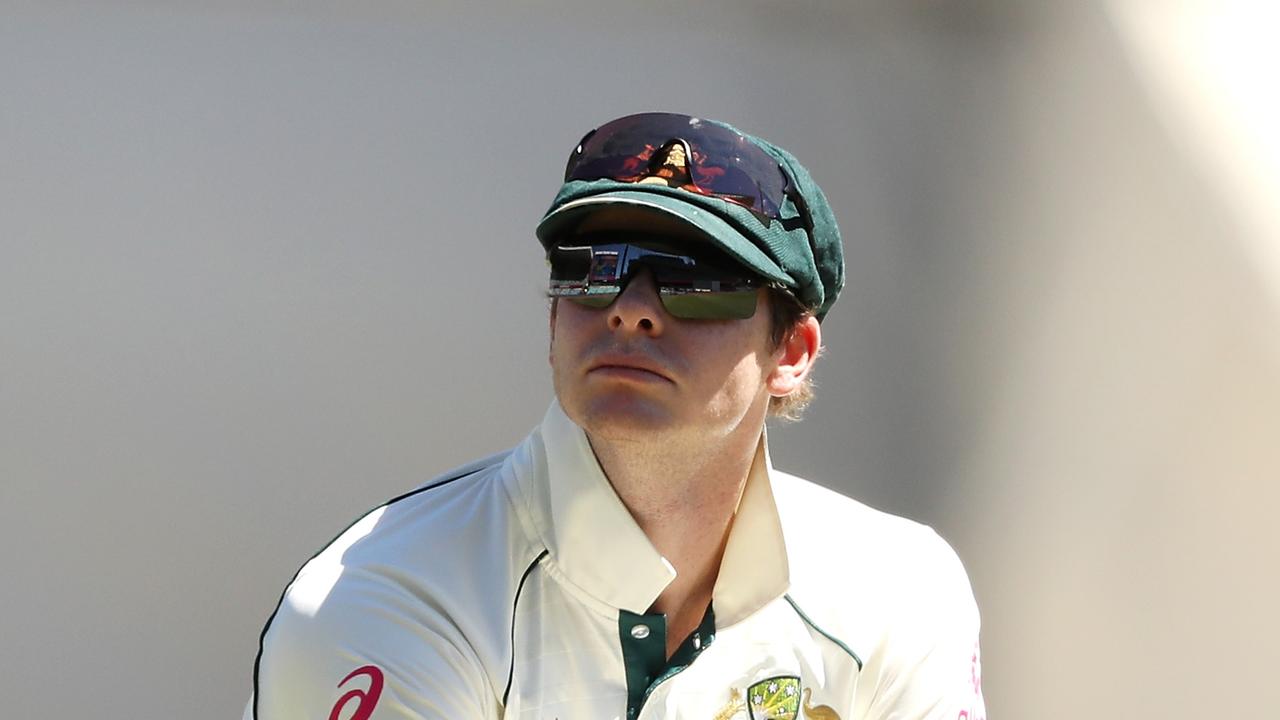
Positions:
{"x": 754, "y": 570}
{"x": 598, "y": 545}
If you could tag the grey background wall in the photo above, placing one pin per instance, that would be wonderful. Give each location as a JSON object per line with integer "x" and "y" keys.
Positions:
{"x": 263, "y": 266}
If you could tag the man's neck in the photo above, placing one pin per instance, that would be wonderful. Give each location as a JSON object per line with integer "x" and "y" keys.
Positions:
{"x": 683, "y": 496}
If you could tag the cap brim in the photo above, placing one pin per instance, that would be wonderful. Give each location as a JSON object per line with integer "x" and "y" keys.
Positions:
{"x": 564, "y": 220}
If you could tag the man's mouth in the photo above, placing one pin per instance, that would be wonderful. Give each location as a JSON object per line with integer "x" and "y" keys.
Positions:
{"x": 622, "y": 366}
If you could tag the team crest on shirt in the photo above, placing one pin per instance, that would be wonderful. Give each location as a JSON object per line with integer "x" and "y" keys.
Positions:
{"x": 776, "y": 698}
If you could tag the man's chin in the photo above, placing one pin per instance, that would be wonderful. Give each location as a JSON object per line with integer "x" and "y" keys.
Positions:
{"x": 621, "y": 417}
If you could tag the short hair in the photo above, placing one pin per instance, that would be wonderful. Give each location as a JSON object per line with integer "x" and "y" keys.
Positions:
{"x": 785, "y": 313}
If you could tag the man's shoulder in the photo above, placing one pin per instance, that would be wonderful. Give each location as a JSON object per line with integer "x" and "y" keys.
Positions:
{"x": 440, "y": 561}
{"x": 831, "y": 534}
{"x": 864, "y": 573}
{"x": 436, "y": 511}
{"x": 814, "y": 514}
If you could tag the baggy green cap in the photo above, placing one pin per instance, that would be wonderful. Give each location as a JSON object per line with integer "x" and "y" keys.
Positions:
{"x": 803, "y": 253}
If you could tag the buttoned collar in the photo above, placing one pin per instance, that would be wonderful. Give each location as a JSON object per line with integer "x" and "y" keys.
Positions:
{"x": 597, "y": 545}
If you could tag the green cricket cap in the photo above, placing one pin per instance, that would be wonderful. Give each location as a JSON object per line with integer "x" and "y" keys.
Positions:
{"x": 800, "y": 250}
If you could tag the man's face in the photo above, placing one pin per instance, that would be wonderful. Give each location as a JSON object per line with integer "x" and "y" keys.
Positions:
{"x": 632, "y": 369}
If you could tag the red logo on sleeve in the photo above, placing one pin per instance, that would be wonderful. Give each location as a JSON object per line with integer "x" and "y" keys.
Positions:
{"x": 978, "y": 711}
{"x": 975, "y": 670}
{"x": 366, "y": 699}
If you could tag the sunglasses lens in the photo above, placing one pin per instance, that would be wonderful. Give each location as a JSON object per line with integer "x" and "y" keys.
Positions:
{"x": 689, "y": 287}
{"x": 702, "y": 306}
{"x": 712, "y": 306}
{"x": 723, "y": 163}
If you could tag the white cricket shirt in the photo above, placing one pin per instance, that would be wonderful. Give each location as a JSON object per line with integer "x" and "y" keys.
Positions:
{"x": 517, "y": 587}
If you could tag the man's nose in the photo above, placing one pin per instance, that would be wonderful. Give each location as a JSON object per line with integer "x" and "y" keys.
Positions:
{"x": 638, "y": 308}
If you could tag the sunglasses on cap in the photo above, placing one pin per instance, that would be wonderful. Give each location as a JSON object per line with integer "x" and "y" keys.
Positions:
{"x": 689, "y": 153}
{"x": 690, "y": 287}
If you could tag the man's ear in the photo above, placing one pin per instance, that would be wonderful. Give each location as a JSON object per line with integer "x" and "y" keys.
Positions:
{"x": 795, "y": 357}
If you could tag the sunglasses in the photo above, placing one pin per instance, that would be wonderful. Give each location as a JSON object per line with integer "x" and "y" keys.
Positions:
{"x": 687, "y": 152}
{"x": 690, "y": 287}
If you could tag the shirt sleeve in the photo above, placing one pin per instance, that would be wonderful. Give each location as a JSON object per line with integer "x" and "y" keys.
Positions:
{"x": 930, "y": 666}
{"x": 365, "y": 650}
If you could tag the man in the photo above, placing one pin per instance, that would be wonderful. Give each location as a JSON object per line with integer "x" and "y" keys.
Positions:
{"x": 637, "y": 556}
